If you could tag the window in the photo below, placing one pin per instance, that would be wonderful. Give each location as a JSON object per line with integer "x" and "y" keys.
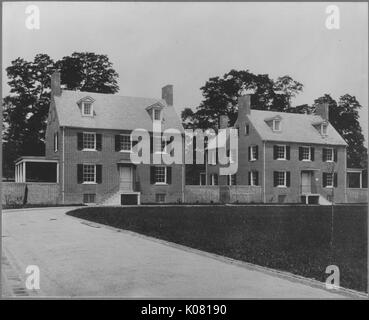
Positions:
{"x": 231, "y": 179}
{"x": 89, "y": 198}
{"x": 160, "y": 175}
{"x": 160, "y": 145}
{"x": 56, "y": 138}
{"x": 157, "y": 114}
{"x": 323, "y": 129}
{"x": 254, "y": 153}
{"x": 276, "y": 125}
{"x": 232, "y": 155}
{"x": 254, "y": 178}
{"x": 202, "y": 179}
{"x": 86, "y": 109}
{"x": 329, "y": 180}
{"x": 160, "y": 197}
{"x": 89, "y": 141}
{"x": 212, "y": 157}
{"x": 89, "y": 173}
{"x": 306, "y": 153}
{"x": 281, "y": 179}
{"x": 328, "y": 155}
{"x": 213, "y": 179}
{"x": 281, "y": 152}
{"x": 247, "y": 130}
{"x": 125, "y": 142}
{"x": 354, "y": 180}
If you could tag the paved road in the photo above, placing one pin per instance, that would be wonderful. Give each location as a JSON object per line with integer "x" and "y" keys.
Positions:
{"x": 81, "y": 259}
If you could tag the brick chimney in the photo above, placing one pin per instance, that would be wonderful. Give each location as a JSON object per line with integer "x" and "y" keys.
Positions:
{"x": 223, "y": 122}
{"x": 167, "y": 94}
{"x": 244, "y": 104}
{"x": 55, "y": 84}
{"x": 322, "y": 110}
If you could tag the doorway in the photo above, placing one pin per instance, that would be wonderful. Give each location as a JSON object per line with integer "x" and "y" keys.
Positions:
{"x": 125, "y": 178}
{"x": 306, "y": 177}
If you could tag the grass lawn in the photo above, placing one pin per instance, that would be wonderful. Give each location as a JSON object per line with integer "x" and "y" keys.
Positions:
{"x": 291, "y": 238}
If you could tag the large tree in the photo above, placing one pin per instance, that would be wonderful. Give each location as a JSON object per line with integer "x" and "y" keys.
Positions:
{"x": 221, "y": 94}
{"x": 344, "y": 117}
{"x": 25, "y": 109}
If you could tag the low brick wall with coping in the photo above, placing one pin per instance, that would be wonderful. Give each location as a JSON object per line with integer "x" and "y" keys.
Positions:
{"x": 14, "y": 193}
{"x": 208, "y": 194}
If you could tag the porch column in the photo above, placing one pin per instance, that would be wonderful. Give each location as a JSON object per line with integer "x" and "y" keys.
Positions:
{"x": 24, "y": 172}
{"x": 16, "y": 173}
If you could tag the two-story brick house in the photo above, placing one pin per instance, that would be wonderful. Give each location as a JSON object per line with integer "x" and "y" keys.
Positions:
{"x": 89, "y": 135}
{"x": 292, "y": 157}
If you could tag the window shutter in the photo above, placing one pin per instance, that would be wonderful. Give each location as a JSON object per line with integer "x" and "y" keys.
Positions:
{"x": 228, "y": 180}
{"x": 249, "y": 152}
{"x": 335, "y": 180}
{"x": 117, "y": 142}
{"x": 257, "y": 152}
{"x": 324, "y": 151}
{"x": 288, "y": 152}
{"x": 79, "y": 173}
{"x": 288, "y": 179}
{"x": 98, "y": 173}
{"x": 79, "y": 140}
{"x": 170, "y": 141}
{"x": 312, "y": 152}
{"x": 256, "y": 173}
{"x": 98, "y": 142}
{"x": 300, "y": 153}
{"x": 324, "y": 179}
{"x": 249, "y": 178}
{"x": 216, "y": 179}
{"x": 169, "y": 175}
{"x": 275, "y": 152}
{"x": 335, "y": 155}
{"x": 151, "y": 144}
{"x": 275, "y": 178}
{"x": 152, "y": 174}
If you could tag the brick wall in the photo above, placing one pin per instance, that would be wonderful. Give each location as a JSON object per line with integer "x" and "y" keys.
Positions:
{"x": 357, "y": 195}
{"x": 38, "y": 193}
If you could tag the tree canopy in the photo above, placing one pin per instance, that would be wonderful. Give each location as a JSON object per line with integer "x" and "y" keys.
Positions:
{"x": 26, "y": 108}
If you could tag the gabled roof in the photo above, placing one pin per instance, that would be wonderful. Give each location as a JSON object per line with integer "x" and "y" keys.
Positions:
{"x": 112, "y": 112}
{"x": 295, "y": 128}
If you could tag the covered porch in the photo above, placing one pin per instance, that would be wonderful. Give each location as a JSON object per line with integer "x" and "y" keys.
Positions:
{"x": 36, "y": 169}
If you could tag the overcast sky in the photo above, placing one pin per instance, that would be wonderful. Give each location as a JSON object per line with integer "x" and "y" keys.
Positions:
{"x": 154, "y": 44}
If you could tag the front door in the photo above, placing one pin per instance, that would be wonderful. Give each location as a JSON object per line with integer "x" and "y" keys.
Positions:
{"x": 125, "y": 174}
{"x": 306, "y": 182}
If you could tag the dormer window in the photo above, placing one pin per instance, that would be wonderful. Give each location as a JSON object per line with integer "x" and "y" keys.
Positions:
{"x": 157, "y": 114}
{"x": 86, "y": 106}
{"x": 276, "y": 125}
{"x": 323, "y": 129}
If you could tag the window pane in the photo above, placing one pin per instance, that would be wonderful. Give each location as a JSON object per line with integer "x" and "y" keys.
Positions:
{"x": 329, "y": 180}
{"x": 353, "y": 179}
{"x": 89, "y": 198}
{"x": 281, "y": 152}
{"x": 157, "y": 114}
{"x": 125, "y": 142}
{"x": 160, "y": 197}
{"x": 305, "y": 153}
{"x": 87, "y": 108}
{"x": 160, "y": 174}
{"x": 88, "y": 173}
{"x": 280, "y": 178}
{"x": 88, "y": 141}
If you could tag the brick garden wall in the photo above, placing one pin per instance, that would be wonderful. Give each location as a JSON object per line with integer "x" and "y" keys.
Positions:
{"x": 38, "y": 193}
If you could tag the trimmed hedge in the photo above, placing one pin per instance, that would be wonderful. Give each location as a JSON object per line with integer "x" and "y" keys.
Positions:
{"x": 291, "y": 238}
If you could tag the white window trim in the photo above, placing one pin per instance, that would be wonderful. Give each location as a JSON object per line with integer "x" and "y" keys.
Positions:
{"x": 322, "y": 126}
{"x": 165, "y": 176}
{"x": 285, "y": 151}
{"x": 274, "y": 125}
{"x": 252, "y": 178}
{"x": 309, "y": 153}
{"x": 89, "y": 182}
{"x": 83, "y": 137}
{"x": 126, "y": 151}
{"x": 160, "y": 114}
{"x": 83, "y": 109}
{"x": 212, "y": 179}
{"x": 56, "y": 142}
{"x": 252, "y": 153}
{"x": 230, "y": 180}
{"x": 332, "y": 185}
{"x": 285, "y": 180}
{"x": 332, "y": 153}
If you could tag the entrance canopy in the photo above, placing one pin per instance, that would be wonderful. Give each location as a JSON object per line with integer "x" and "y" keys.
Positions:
{"x": 36, "y": 169}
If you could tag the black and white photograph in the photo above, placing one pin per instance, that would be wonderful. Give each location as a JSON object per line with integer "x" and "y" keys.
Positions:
{"x": 160, "y": 151}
